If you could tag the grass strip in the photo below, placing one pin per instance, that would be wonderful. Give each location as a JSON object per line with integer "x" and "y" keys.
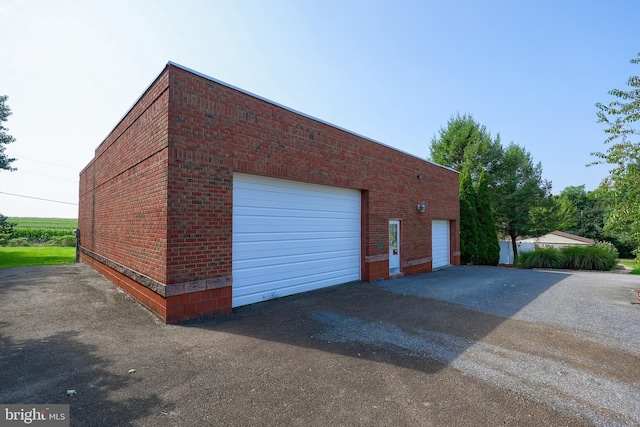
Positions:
{"x": 630, "y": 263}
{"x": 26, "y": 256}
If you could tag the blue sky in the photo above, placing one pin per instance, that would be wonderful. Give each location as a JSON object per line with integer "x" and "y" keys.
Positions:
{"x": 394, "y": 71}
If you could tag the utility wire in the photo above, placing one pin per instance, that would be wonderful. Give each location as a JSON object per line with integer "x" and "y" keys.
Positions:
{"x": 47, "y": 176}
{"x": 38, "y": 198}
{"x": 46, "y": 163}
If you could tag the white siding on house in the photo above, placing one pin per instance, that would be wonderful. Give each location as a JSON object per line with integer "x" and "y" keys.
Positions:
{"x": 506, "y": 250}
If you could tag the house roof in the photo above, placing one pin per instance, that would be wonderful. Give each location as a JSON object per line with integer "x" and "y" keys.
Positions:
{"x": 573, "y": 237}
{"x": 559, "y": 237}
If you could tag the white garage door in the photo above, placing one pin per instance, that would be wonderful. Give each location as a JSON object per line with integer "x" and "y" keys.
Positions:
{"x": 291, "y": 237}
{"x": 440, "y": 244}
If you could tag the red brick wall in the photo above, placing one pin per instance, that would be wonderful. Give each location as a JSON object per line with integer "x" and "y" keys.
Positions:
{"x": 157, "y": 198}
{"x": 171, "y": 309}
{"x": 215, "y": 130}
{"x": 123, "y": 190}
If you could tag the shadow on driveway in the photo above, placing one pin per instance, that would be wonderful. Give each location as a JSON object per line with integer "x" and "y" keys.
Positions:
{"x": 500, "y": 291}
{"x": 42, "y": 370}
{"x": 451, "y": 347}
{"x": 422, "y": 322}
{"x": 457, "y": 318}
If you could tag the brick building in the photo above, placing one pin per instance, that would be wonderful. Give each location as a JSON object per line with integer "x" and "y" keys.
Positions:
{"x": 205, "y": 197}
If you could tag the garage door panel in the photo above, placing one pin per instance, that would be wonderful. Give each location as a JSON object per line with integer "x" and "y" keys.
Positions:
{"x": 440, "y": 244}
{"x": 286, "y": 209}
{"x": 305, "y": 272}
{"x": 318, "y": 237}
{"x": 290, "y": 237}
{"x": 280, "y": 289}
{"x": 284, "y": 255}
{"x": 287, "y": 197}
{"x": 280, "y": 286}
{"x": 267, "y": 286}
{"x": 293, "y": 251}
{"x": 289, "y": 205}
{"x": 276, "y": 225}
{"x": 276, "y": 189}
{"x": 281, "y": 209}
{"x": 304, "y": 265}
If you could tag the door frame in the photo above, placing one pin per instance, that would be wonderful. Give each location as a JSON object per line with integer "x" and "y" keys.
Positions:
{"x": 397, "y": 249}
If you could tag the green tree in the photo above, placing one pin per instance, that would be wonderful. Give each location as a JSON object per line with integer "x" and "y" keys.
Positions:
{"x": 464, "y": 144}
{"x": 621, "y": 238}
{"x": 5, "y": 138}
{"x": 488, "y": 246}
{"x": 6, "y": 228}
{"x": 553, "y": 213}
{"x": 518, "y": 188}
{"x": 515, "y": 184}
{"x": 5, "y": 225}
{"x": 620, "y": 117}
{"x": 545, "y": 217}
{"x": 469, "y": 236}
{"x": 588, "y": 212}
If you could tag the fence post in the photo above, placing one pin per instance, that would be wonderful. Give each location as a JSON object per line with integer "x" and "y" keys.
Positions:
{"x": 77, "y": 233}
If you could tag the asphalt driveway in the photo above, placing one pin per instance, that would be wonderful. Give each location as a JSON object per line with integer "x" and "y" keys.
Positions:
{"x": 461, "y": 346}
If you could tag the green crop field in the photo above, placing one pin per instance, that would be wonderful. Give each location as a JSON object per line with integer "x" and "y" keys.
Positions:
{"x": 45, "y": 223}
{"x": 36, "y": 255}
{"x": 39, "y": 231}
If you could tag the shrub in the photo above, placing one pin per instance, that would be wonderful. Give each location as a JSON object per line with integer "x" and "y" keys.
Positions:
{"x": 610, "y": 247}
{"x": 541, "y": 258}
{"x": 62, "y": 241}
{"x": 20, "y": 241}
{"x": 37, "y": 236}
{"x": 589, "y": 258}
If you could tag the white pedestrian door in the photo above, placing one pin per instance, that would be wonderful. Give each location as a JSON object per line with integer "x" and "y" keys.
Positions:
{"x": 394, "y": 247}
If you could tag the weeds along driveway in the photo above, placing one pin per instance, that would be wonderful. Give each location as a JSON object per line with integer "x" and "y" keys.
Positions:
{"x": 461, "y": 346}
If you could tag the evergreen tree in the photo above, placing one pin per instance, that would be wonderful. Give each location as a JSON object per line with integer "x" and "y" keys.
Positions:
{"x": 468, "y": 220}
{"x": 5, "y": 138}
{"x": 488, "y": 246}
{"x": 466, "y": 144}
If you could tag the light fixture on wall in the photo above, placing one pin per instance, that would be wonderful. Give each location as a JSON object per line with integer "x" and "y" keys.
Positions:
{"x": 422, "y": 207}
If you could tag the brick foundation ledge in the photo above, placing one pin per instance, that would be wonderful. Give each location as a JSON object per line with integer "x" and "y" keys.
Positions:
{"x": 174, "y": 303}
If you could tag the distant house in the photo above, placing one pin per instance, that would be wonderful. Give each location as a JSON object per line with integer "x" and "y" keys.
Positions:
{"x": 555, "y": 239}
{"x": 558, "y": 239}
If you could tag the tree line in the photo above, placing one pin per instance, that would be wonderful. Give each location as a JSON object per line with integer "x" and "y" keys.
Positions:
{"x": 502, "y": 188}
